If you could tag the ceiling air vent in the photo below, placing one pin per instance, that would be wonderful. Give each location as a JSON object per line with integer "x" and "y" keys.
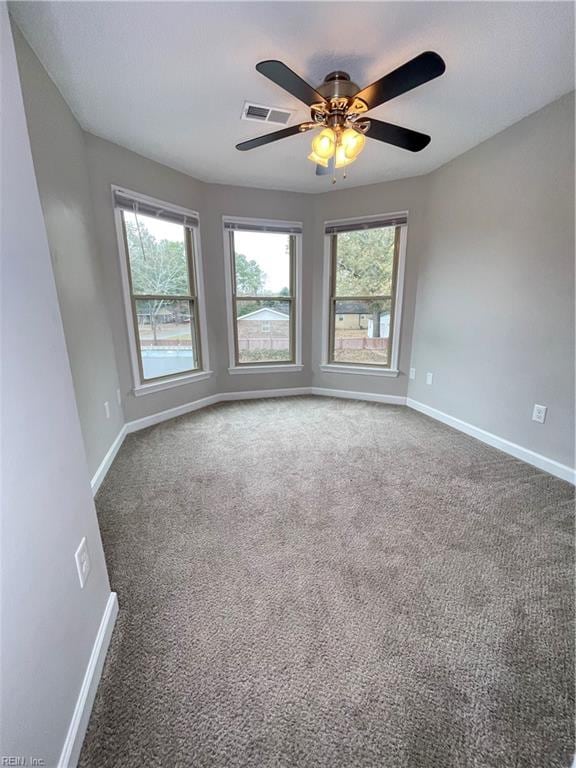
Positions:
{"x": 262, "y": 114}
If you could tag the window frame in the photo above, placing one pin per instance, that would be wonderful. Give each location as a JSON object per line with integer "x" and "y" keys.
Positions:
{"x": 141, "y": 385}
{"x": 328, "y": 365}
{"x": 293, "y": 365}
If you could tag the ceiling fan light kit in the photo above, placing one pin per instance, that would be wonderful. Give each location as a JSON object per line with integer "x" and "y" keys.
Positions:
{"x": 342, "y": 144}
{"x": 338, "y": 107}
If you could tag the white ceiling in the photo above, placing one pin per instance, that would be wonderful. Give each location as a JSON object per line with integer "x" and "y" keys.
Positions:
{"x": 169, "y": 79}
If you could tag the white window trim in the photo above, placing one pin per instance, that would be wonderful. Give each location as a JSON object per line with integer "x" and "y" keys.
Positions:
{"x": 147, "y": 387}
{"x": 361, "y": 369}
{"x": 297, "y": 366}
{"x": 365, "y": 370}
{"x": 174, "y": 381}
{"x": 273, "y": 368}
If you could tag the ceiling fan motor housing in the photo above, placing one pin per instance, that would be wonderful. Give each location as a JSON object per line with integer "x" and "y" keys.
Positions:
{"x": 339, "y": 91}
{"x": 337, "y": 85}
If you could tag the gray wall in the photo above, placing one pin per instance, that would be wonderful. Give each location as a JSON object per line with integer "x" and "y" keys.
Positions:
{"x": 59, "y": 160}
{"x": 495, "y": 303}
{"x": 48, "y": 623}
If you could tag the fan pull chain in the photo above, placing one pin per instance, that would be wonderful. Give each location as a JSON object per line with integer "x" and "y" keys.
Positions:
{"x": 335, "y": 153}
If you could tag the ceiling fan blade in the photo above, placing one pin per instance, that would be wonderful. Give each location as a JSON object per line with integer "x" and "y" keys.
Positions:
{"x": 260, "y": 141}
{"x": 283, "y": 76}
{"x": 398, "y": 136}
{"x": 420, "y": 70}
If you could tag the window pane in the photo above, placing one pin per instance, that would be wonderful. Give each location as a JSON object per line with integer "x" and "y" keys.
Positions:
{"x": 262, "y": 263}
{"x": 362, "y": 332}
{"x": 365, "y": 262}
{"x": 167, "y": 337}
{"x": 157, "y": 252}
{"x": 263, "y": 329}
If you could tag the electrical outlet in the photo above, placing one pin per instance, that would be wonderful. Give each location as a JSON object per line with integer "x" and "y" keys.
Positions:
{"x": 412, "y": 373}
{"x": 429, "y": 377}
{"x": 119, "y": 397}
{"x": 107, "y": 409}
{"x": 539, "y": 413}
{"x": 82, "y": 557}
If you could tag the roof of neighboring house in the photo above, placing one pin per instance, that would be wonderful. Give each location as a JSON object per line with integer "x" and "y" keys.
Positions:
{"x": 265, "y": 313}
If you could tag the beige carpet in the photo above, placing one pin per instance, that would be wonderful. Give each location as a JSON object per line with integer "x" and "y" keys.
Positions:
{"x": 320, "y": 583}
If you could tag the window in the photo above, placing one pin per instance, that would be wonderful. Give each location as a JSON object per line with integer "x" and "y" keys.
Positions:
{"x": 160, "y": 272}
{"x": 264, "y": 299}
{"x": 363, "y": 295}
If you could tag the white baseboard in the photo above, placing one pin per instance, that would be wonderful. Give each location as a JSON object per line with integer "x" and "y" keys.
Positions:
{"x": 513, "y": 449}
{"x": 254, "y": 394}
{"x": 79, "y": 723}
{"x": 531, "y": 457}
{"x": 349, "y": 395}
{"x": 257, "y": 394}
{"x": 100, "y": 473}
{"x": 171, "y": 413}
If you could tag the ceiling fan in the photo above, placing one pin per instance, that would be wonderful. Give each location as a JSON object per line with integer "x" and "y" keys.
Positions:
{"x": 338, "y": 106}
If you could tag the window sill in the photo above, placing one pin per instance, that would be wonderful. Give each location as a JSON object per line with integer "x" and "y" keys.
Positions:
{"x": 362, "y": 369}
{"x": 177, "y": 381}
{"x": 287, "y": 368}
